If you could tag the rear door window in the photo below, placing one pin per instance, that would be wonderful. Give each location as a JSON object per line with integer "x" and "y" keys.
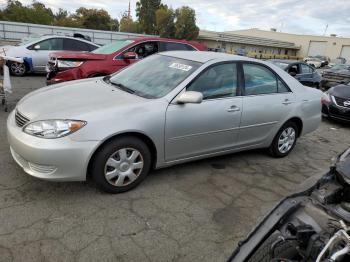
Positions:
{"x": 259, "y": 80}
{"x": 172, "y": 46}
{"x": 75, "y": 45}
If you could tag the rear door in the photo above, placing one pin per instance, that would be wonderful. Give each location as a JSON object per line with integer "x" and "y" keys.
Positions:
{"x": 211, "y": 126}
{"x": 267, "y": 102}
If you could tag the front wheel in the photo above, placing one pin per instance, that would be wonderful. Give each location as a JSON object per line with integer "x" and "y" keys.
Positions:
{"x": 121, "y": 164}
{"x": 17, "y": 69}
{"x": 285, "y": 140}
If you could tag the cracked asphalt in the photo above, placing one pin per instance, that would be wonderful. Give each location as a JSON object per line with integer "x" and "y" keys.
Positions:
{"x": 191, "y": 212}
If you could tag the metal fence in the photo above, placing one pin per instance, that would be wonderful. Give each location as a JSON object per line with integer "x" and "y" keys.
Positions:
{"x": 13, "y": 31}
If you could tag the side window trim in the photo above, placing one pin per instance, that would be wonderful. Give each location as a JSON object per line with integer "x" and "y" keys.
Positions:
{"x": 238, "y": 89}
{"x": 268, "y": 68}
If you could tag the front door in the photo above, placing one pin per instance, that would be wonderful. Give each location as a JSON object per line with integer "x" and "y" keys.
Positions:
{"x": 211, "y": 126}
{"x": 305, "y": 75}
{"x": 142, "y": 50}
{"x": 40, "y": 56}
{"x": 266, "y": 104}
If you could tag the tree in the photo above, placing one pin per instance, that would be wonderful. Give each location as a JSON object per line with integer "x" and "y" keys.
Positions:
{"x": 185, "y": 25}
{"x": 165, "y": 24}
{"x": 146, "y": 13}
{"x": 128, "y": 25}
{"x": 94, "y": 19}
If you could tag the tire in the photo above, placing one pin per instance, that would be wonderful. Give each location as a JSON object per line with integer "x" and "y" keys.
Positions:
{"x": 286, "y": 132}
{"x": 284, "y": 250}
{"x": 17, "y": 69}
{"x": 125, "y": 161}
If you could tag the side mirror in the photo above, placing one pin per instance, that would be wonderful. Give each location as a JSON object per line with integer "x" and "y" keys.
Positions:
{"x": 293, "y": 74}
{"x": 190, "y": 97}
{"x": 36, "y": 47}
{"x": 130, "y": 55}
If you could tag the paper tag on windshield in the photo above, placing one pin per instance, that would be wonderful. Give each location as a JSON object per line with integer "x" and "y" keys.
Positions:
{"x": 180, "y": 66}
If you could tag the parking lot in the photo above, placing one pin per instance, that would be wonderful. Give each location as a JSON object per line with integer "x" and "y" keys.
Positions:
{"x": 191, "y": 212}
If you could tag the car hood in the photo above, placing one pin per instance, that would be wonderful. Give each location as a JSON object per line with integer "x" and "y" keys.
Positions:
{"x": 78, "y": 56}
{"x": 342, "y": 91}
{"x": 75, "y": 99}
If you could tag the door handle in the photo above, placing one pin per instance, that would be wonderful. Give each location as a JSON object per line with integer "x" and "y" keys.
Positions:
{"x": 233, "y": 109}
{"x": 287, "y": 102}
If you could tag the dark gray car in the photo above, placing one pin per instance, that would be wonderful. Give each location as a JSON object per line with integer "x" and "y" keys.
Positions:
{"x": 304, "y": 73}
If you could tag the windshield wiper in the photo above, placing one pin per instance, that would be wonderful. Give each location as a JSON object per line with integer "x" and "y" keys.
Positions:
{"x": 121, "y": 87}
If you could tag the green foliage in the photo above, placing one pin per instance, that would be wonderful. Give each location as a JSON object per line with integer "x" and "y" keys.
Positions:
{"x": 37, "y": 13}
{"x": 185, "y": 25}
{"x": 146, "y": 13}
{"x": 153, "y": 18}
{"x": 128, "y": 25}
{"x": 165, "y": 24}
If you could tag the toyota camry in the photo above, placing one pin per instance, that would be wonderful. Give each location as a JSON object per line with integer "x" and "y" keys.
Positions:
{"x": 167, "y": 109}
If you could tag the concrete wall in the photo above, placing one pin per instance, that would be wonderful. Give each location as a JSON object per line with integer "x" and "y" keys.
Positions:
{"x": 13, "y": 31}
{"x": 333, "y": 44}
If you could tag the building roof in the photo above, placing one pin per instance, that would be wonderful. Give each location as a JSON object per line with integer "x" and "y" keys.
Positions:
{"x": 243, "y": 39}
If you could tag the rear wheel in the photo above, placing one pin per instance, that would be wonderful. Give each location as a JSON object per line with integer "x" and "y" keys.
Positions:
{"x": 285, "y": 140}
{"x": 121, "y": 164}
{"x": 17, "y": 69}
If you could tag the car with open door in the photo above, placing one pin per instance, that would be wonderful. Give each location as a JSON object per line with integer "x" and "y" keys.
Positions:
{"x": 167, "y": 109}
{"x": 36, "y": 49}
{"x": 108, "y": 59}
{"x": 312, "y": 224}
{"x": 304, "y": 73}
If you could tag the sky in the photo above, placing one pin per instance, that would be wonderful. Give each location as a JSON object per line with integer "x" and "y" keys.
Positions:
{"x": 291, "y": 16}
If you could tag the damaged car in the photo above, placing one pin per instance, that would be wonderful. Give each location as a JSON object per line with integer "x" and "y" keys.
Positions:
{"x": 311, "y": 225}
{"x": 338, "y": 74}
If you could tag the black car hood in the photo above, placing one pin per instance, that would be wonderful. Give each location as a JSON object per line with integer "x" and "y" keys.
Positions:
{"x": 342, "y": 91}
{"x": 343, "y": 165}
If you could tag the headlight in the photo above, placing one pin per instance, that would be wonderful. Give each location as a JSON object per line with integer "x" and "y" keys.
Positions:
{"x": 68, "y": 63}
{"x": 53, "y": 128}
{"x": 326, "y": 98}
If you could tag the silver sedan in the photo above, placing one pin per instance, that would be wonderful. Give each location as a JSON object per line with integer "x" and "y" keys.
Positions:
{"x": 167, "y": 109}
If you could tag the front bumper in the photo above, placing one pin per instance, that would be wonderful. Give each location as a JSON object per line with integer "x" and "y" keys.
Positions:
{"x": 61, "y": 159}
{"x": 335, "y": 112}
{"x": 55, "y": 76}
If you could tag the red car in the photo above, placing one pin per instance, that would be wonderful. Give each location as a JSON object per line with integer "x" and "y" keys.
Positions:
{"x": 110, "y": 58}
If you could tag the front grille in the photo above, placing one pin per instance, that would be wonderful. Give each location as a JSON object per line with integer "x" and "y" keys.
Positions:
{"x": 342, "y": 102}
{"x": 21, "y": 120}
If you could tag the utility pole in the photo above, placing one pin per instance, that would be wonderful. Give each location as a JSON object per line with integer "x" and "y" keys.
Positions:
{"x": 129, "y": 13}
{"x": 325, "y": 30}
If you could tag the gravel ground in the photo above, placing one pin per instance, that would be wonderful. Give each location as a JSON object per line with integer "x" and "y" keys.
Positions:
{"x": 191, "y": 212}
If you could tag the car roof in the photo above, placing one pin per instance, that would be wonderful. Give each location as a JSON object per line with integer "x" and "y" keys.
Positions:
{"x": 206, "y": 56}
{"x": 43, "y": 37}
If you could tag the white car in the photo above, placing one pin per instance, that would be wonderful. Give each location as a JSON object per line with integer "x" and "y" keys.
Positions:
{"x": 36, "y": 50}
{"x": 313, "y": 61}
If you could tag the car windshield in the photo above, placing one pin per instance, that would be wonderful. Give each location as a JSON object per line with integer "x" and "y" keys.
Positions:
{"x": 154, "y": 76}
{"x": 112, "y": 47}
{"x": 28, "y": 40}
{"x": 341, "y": 67}
{"x": 280, "y": 64}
